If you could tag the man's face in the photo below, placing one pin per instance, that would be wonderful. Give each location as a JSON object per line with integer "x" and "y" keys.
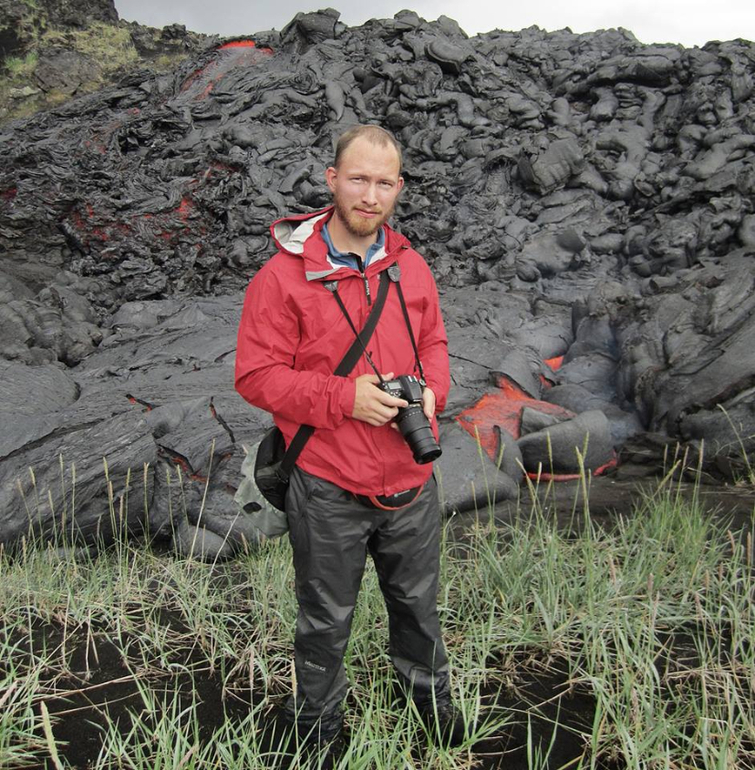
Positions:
{"x": 365, "y": 186}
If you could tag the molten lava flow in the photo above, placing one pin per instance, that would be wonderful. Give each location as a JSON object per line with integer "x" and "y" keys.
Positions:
{"x": 503, "y": 409}
{"x": 245, "y": 44}
{"x": 182, "y": 462}
{"x": 226, "y": 427}
{"x": 134, "y": 400}
{"x": 236, "y": 53}
{"x": 93, "y": 232}
{"x": 167, "y": 225}
{"x": 185, "y": 208}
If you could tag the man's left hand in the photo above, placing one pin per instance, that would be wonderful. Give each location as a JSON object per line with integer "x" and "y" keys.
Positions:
{"x": 428, "y": 406}
{"x": 428, "y": 403}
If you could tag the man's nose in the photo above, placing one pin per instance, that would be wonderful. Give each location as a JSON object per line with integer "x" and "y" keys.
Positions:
{"x": 370, "y": 194}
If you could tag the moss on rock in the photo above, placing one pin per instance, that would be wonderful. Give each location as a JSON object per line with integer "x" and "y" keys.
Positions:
{"x": 51, "y": 50}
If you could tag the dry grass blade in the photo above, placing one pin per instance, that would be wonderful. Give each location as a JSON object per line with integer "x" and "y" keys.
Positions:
{"x": 52, "y": 746}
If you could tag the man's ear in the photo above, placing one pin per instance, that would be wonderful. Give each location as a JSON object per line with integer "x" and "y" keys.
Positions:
{"x": 400, "y": 184}
{"x": 330, "y": 177}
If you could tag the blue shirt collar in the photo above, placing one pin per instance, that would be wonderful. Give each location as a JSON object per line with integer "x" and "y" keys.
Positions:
{"x": 348, "y": 259}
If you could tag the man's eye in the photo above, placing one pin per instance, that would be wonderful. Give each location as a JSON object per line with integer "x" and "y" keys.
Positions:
{"x": 386, "y": 185}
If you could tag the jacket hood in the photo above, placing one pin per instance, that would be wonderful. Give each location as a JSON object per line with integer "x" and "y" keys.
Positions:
{"x": 300, "y": 235}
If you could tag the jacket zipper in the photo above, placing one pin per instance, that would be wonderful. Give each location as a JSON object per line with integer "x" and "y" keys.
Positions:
{"x": 364, "y": 279}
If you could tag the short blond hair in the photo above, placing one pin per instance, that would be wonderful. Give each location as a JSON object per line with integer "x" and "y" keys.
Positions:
{"x": 373, "y": 134}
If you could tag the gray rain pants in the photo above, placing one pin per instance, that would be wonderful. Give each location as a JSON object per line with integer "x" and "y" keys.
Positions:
{"x": 331, "y": 533}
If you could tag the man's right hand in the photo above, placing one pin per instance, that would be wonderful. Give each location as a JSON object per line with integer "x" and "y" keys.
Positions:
{"x": 373, "y": 405}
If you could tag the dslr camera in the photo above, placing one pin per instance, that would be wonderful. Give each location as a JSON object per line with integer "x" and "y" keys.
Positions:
{"x": 411, "y": 420}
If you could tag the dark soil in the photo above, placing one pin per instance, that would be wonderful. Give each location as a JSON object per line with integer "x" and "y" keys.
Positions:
{"x": 98, "y": 688}
{"x": 91, "y": 677}
{"x": 92, "y": 682}
{"x": 544, "y": 704}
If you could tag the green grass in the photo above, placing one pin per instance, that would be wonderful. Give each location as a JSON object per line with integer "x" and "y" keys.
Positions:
{"x": 653, "y": 620}
{"x": 745, "y": 474}
{"x": 107, "y": 44}
{"x": 21, "y": 66}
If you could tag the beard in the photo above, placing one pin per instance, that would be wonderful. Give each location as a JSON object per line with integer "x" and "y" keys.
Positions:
{"x": 356, "y": 225}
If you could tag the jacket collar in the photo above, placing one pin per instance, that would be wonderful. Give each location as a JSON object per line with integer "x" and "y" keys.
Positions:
{"x": 301, "y": 235}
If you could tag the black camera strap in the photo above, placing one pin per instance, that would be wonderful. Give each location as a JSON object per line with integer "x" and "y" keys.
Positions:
{"x": 394, "y": 273}
{"x": 348, "y": 362}
{"x": 360, "y": 343}
{"x": 359, "y": 346}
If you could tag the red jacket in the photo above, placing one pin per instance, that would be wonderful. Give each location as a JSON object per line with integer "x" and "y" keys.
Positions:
{"x": 292, "y": 336}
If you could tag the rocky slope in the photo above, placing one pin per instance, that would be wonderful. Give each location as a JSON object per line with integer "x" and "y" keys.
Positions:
{"x": 52, "y": 50}
{"x": 584, "y": 200}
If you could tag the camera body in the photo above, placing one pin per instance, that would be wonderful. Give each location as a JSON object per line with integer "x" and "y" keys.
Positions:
{"x": 411, "y": 420}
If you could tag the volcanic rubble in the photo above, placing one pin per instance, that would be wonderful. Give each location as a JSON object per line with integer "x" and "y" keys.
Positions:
{"x": 585, "y": 202}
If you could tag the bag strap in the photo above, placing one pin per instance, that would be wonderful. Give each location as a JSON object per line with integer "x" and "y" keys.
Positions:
{"x": 348, "y": 362}
{"x": 359, "y": 345}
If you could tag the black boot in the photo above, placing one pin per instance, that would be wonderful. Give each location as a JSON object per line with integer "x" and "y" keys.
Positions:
{"x": 321, "y": 744}
{"x": 444, "y": 723}
{"x": 323, "y": 752}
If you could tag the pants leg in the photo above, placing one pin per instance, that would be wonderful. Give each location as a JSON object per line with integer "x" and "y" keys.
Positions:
{"x": 406, "y": 551}
{"x": 329, "y": 547}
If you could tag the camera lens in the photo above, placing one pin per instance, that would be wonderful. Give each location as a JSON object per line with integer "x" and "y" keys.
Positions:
{"x": 418, "y": 434}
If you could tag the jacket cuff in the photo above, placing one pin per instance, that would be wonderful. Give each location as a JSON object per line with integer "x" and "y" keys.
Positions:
{"x": 348, "y": 397}
{"x": 441, "y": 397}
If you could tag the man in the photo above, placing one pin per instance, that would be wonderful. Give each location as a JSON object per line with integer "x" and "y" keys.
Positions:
{"x": 291, "y": 338}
